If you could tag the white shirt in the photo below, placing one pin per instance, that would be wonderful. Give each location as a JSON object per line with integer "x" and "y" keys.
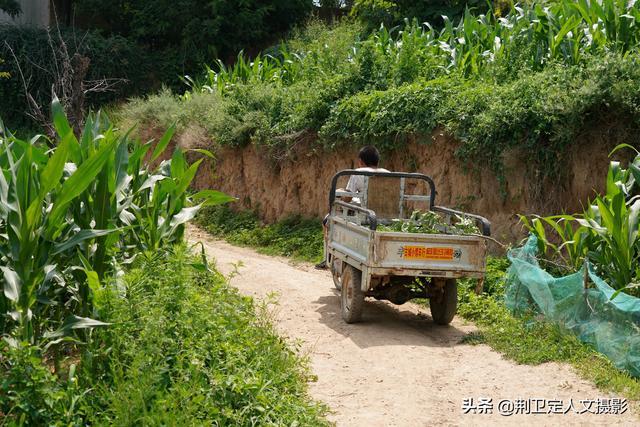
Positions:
{"x": 358, "y": 183}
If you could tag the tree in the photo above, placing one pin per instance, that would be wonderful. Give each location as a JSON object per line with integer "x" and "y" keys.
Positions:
{"x": 10, "y": 7}
{"x": 195, "y": 31}
{"x": 392, "y": 12}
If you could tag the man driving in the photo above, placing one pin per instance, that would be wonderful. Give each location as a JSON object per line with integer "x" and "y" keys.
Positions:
{"x": 367, "y": 161}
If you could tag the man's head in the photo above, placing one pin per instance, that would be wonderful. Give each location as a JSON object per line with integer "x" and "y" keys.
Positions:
{"x": 369, "y": 156}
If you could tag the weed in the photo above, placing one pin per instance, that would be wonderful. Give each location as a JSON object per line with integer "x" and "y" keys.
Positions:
{"x": 294, "y": 237}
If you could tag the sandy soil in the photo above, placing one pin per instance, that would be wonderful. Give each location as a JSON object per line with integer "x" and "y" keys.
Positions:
{"x": 397, "y": 368}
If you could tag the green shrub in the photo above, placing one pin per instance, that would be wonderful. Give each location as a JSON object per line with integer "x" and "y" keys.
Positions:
{"x": 111, "y": 57}
{"x": 31, "y": 394}
{"x": 373, "y": 13}
{"x": 161, "y": 109}
{"x": 294, "y": 236}
{"x": 383, "y": 116}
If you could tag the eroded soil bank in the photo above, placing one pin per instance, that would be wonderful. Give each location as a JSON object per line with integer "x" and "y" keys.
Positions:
{"x": 299, "y": 184}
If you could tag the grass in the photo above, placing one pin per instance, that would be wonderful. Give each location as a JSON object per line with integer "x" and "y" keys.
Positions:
{"x": 295, "y": 237}
{"x": 533, "y": 341}
{"x": 183, "y": 348}
{"x": 527, "y": 340}
{"x": 530, "y": 339}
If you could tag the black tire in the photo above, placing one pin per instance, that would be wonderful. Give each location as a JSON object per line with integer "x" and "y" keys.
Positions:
{"x": 444, "y": 306}
{"x": 336, "y": 273}
{"x": 352, "y": 298}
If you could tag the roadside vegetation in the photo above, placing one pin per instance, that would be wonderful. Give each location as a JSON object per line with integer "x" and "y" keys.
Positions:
{"x": 105, "y": 316}
{"x": 181, "y": 347}
{"x": 606, "y": 234}
{"x": 295, "y": 237}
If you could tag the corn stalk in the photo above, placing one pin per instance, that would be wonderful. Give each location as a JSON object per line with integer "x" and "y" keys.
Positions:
{"x": 70, "y": 215}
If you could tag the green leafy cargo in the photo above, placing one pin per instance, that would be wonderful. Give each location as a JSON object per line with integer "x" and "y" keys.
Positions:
{"x": 431, "y": 223}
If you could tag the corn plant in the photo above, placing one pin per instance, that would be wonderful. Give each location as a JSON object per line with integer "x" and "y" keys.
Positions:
{"x": 568, "y": 241}
{"x": 565, "y": 30}
{"x": 70, "y": 215}
{"x": 282, "y": 68}
{"x": 607, "y": 233}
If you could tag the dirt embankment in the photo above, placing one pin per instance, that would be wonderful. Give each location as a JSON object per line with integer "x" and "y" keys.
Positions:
{"x": 300, "y": 183}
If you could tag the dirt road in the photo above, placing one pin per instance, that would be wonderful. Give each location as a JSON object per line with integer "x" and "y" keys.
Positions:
{"x": 397, "y": 368}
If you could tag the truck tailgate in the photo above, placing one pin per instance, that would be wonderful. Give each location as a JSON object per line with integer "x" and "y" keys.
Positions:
{"x": 432, "y": 253}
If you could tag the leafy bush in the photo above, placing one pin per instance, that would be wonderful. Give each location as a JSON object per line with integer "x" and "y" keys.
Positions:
{"x": 293, "y": 237}
{"x": 30, "y": 392}
{"x": 373, "y": 13}
{"x": 386, "y": 116}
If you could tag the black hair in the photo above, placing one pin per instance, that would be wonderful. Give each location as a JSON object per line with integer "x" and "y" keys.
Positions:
{"x": 369, "y": 156}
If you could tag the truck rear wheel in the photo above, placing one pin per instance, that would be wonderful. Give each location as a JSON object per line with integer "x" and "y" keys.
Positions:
{"x": 444, "y": 305}
{"x": 352, "y": 298}
{"x": 336, "y": 273}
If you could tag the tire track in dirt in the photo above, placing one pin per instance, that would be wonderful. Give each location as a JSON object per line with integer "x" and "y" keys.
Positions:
{"x": 396, "y": 368}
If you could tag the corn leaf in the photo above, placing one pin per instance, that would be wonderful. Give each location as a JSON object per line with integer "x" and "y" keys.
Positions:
{"x": 164, "y": 141}
{"x": 12, "y": 284}
{"x": 75, "y": 322}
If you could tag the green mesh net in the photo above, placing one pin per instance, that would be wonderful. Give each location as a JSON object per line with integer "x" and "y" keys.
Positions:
{"x": 611, "y": 326}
